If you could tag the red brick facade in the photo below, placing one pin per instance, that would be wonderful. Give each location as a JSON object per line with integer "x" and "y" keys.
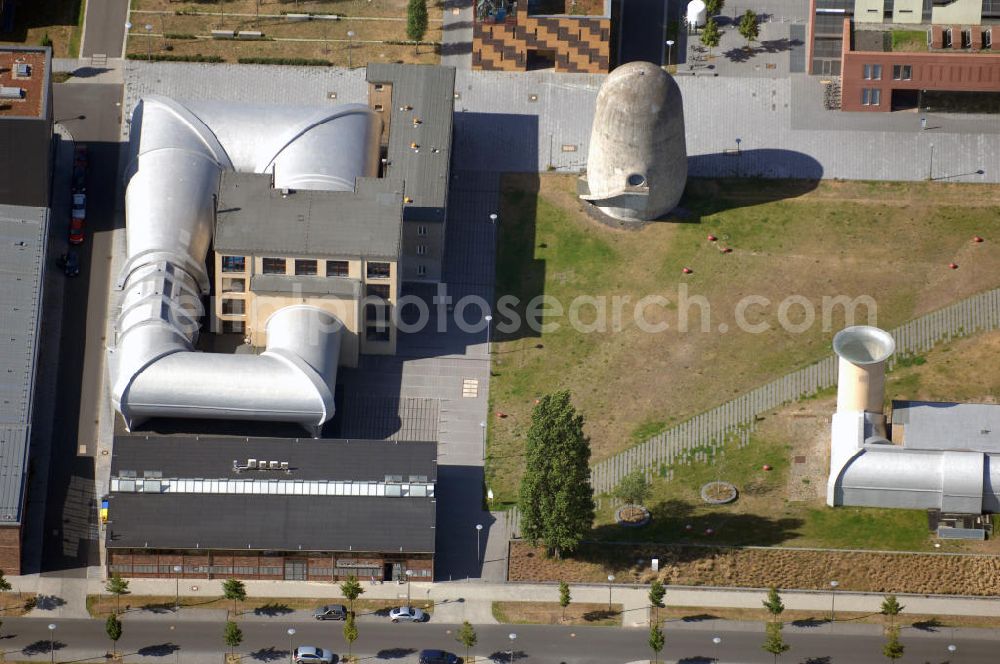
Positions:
{"x": 312, "y": 566}
{"x": 955, "y": 71}
{"x": 10, "y": 549}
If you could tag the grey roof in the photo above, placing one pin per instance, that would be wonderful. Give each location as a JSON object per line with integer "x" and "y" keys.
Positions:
{"x": 277, "y": 283}
{"x": 211, "y": 457}
{"x": 937, "y": 425}
{"x": 430, "y": 91}
{"x": 253, "y": 218}
{"x": 22, "y": 267}
{"x": 272, "y": 522}
{"x": 277, "y": 523}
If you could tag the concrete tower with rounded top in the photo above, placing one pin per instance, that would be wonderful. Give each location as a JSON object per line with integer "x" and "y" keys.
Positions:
{"x": 637, "y": 162}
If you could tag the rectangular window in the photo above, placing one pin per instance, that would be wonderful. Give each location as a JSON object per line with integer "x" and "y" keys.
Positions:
{"x": 866, "y": 96}
{"x": 376, "y": 333}
{"x": 234, "y": 285}
{"x": 337, "y": 269}
{"x": 987, "y": 39}
{"x": 234, "y": 263}
{"x": 232, "y": 327}
{"x": 421, "y": 249}
{"x": 378, "y": 270}
{"x": 233, "y": 307}
{"x": 877, "y": 72}
{"x": 422, "y": 230}
{"x": 868, "y": 72}
{"x": 876, "y": 97}
{"x": 902, "y": 72}
{"x": 376, "y": 304}
{"x": 274, "y": 266}
{"x": 305, "y": 268}
{"x": 421, "y": 270}
{"x": 947, "y": 38}
{"x": 378, "y": 108}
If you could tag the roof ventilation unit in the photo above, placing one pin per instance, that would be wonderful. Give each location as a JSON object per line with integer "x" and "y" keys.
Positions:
{"x": 22, "y": 70}
{"x": 11, "y": 93}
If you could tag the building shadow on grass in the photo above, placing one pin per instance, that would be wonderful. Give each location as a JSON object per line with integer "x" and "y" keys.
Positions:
{"x": 745, "y": 162}
{"x": 520, "y": 272}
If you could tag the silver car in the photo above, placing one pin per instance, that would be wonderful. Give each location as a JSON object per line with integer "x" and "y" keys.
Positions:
{"x": 311, "y": 654}
{"x": 407, "y": 614}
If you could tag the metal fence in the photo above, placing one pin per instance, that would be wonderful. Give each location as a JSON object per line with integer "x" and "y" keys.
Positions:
{"x": 700, "y": 438}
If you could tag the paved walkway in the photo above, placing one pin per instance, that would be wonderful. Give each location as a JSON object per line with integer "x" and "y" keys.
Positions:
{"x": 456, "y": 41}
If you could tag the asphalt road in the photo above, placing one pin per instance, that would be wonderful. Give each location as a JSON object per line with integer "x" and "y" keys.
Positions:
{"x": 90, "y": 113}
{"x": 266, "y": 640}
{"x": 105, "y": 30}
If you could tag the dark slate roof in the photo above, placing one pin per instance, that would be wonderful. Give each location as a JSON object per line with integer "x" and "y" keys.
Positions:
{"x": 254, "y": 218}
{"x": 430, "y": 91}
{"x": 22, "y": 268}
{"x": 278, "y": 523}
{"x": 277, "y": 283}
{"x": 211, "y": 457}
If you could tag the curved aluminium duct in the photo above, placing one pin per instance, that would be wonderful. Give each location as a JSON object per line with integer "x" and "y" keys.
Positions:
{"x": 178, "y": 153}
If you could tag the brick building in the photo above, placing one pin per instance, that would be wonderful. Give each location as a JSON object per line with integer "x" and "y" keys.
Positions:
{"x": 908, "y": 54}
{"x": 567, "y": 35}
{"x": 270, "y": 508}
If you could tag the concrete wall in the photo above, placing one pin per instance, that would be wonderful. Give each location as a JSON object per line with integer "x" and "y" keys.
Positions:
{"x": 962, "y": 12}
{"x": 868, "y": 11}
{"x": 908, "y": 11}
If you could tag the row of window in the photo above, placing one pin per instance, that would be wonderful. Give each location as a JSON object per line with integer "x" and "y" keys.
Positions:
{"x": 307, "y": 267}
{"x": 219, "y": 570}
{"x": 899, "y": 72}
{"x": 871, "y": 96}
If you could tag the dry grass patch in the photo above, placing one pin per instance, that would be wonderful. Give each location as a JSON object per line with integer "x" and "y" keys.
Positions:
{"x": 100, "y": 606}
{"x": 372, "y": 23}
{"x": 787, "y": 238}
{"x": 59, "y": 19}
{"x": 550, "y": 613}
{"x": 810, "y": 618}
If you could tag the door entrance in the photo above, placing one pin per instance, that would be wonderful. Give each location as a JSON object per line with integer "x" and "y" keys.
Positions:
{"x": 295, "y": 570}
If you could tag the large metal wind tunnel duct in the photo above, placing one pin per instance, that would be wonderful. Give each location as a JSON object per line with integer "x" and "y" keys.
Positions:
{"x": 177, "y": 155}
{"x": 862, "y": 350}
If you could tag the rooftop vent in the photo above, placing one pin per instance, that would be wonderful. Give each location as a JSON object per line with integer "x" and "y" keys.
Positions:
{"x": 11, "y": 93}
{"x": 22, "y": 70}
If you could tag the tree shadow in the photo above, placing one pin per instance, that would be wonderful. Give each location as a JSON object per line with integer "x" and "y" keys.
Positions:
{"x": 42, "y": 647}
{"x": 600, "y": 614}
{"x": 270, "y": 654}
{"x": 158, "y": 607}
{"x": 929, "y": 625}
{"x": 697, "y": 659}
{"x": 273, "y": 609}
{"x": 501, "y": 656}
{"x": 810, "y": 622}
{"x": 771, "y": 46}
{"x": 89, "y": 72}
{"x": 158, "y": 650}
{"x": 394, "y": 653}
{"x": 701, "y": 617}
{"x": 49, "y": 602}
{"x": 825, "y": 659}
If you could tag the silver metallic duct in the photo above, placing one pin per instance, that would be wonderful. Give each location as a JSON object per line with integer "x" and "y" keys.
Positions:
{"x": 177, "y": 155}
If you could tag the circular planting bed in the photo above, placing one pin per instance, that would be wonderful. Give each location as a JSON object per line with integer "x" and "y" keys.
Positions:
{"x": 632, "y": 516}
{"x": 719, "y": 493}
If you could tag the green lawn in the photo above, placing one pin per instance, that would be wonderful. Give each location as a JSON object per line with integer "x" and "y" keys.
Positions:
{"x": 787, "y": 238}
{"x": 909, "y": 40}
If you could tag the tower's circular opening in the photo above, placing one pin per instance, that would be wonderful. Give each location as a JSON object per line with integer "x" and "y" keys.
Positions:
{"x": 636, "y": 180}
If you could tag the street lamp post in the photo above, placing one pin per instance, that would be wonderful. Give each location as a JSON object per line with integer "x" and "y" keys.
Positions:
{"x": 716, "y": 640}
{"x": 952, "y": 648}
{"x": 833, "y": 596}
{"x": 489, "y": 324}
{"x": 930, "y": 169}
{"x": 479, "y": 548}
{"x": 52, "y": 644}
{"x": 128, "y": 29}
{"x": 409, "y": 573}
{"x": 512, "y": 636}
{"x": 177, "y": 587}
{"x": 149, "y": 41}
{"x": 291, "y": 633}
{"x": 611, "y": 580}
{"x": 670, "y": 49}
{"x": 482, "y": 425}
{"x": 350, "y": 45}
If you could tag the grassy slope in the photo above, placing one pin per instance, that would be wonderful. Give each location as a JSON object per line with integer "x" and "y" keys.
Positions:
{"x": 59, "y": 19}
{"x": 891, "y": 241}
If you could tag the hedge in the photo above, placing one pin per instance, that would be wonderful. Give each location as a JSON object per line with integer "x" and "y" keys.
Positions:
{"x": 176, "y": 58}
{"x": 301, "y": 62}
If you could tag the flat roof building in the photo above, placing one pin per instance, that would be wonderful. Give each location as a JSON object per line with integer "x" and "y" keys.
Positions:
{"x": 22, "y": 271}
{"x": 25, "y": 125}
{"x": 271, "y": 508}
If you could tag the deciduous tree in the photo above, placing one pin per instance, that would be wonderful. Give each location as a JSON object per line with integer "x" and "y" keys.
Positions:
{"x": 714, "y": 7}
{"x": 656, "y": 592}
{"x": 656, "y": 641}
{"x": 774, "y": 643}
{"x": 710, "y": 34}
{"x": 416, "y": 21}
{"x": 564, "y": 597}
{"x": 633, "y": 488}
{"x": 773, "y": 603}
{"x": 113, "y": 627}
{"x": 466, "y": 635}
{"x": 891, "y": 608}
{"x": 893, "y": 649}
{"x": 556, "y": 500}
{"x": 350, "y": 633}
{"x": 117, "y": 586}
{"x": 232, "y": 635}
{"x": 235, "y": 590}
{"x": 351, "y": 590}
{"x": 749, "y": 26}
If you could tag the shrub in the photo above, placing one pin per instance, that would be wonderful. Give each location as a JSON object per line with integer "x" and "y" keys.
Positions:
{"x": 298, "y": 62}
{"x": 161, "y": 57}
{"x": 179, "y": 35}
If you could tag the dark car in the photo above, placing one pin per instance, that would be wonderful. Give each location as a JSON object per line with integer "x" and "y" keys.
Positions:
{"x": 437, "y": 657}
{"x": 331, "y": 612}
{"x": 70, "y": 263}
{"x": 76, "y": 230}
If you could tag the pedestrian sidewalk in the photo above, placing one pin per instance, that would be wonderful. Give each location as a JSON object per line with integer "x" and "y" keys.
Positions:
{"x": 472, "y": 601}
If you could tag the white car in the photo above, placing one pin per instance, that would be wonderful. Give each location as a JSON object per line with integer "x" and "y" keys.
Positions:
{"x": 79, "y": 200}
{"x": 310, "y": 654}
{"x": 407, "y": 614}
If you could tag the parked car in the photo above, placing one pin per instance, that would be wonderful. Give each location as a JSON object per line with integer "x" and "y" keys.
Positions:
{"x": 80, "y": 155}
{"x": 79, "y": 200}
{"x": 76, "y": 230}
{"x": 79, "y": 179}
{"x": 437, "y": 657}
{"x": 331, "y": 612}
{"x": 311, "y": 654}
{"x": 407, "y": 614}
{"x": 69, "y": 263}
